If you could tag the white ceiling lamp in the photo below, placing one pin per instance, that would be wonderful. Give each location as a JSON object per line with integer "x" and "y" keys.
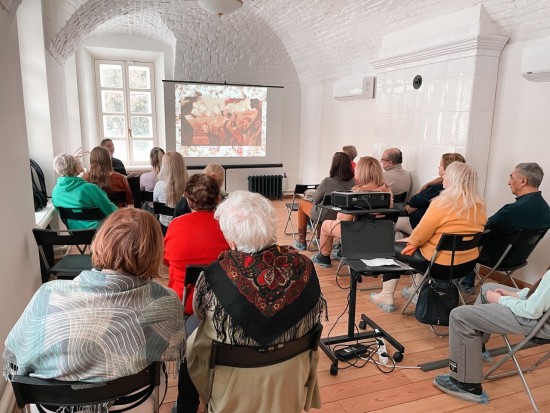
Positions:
{"x": 220, "y": 7}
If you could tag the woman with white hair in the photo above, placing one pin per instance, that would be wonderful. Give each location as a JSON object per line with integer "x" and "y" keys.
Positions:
{"x": 256, "y": 294}
{"x": 71, "y": 191}
{"x": 459, "y": 209}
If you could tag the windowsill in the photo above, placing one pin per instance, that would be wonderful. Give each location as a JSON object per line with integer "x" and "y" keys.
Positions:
{"x": 43, "y": 218}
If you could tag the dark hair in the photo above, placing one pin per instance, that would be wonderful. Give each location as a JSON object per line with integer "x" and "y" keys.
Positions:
{"x": 341, "y": 167}
{"x": 395, "y": 156}
{"x": 202, "y": 192}
{"x": 104, "y": 141}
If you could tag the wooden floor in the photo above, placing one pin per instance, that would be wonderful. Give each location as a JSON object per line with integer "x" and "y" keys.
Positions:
{"x": 407, "y": 388}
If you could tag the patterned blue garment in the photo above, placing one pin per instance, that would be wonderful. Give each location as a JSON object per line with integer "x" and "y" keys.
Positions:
{"x": 98, "y": 327}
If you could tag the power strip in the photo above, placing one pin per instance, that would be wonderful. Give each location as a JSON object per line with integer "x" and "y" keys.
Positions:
{"x": 349, "y": 352}
{"x": 382, "y": 352}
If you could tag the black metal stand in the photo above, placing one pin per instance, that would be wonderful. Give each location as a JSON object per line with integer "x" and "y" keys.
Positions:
{"x": 377, "y": 331}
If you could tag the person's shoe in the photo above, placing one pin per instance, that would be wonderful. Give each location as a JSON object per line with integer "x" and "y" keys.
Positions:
{"x": 300, "y": 245}
{"x": 337, "y": 254}
{"x": 486, "y": 356}
{"x": 407, "y": 291}
{"x": 174, "y": 408}
{"x": 321, "y": 260}
{"x": 469, "y": 392}
{"x": 465, "y": 288}
{"x": 375, "y": 299}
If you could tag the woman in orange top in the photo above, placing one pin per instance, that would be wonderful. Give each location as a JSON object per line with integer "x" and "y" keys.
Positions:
{"x": 101, "y": 173}
{"x": 369, "y": 177}
{"x": 459, "y": 209}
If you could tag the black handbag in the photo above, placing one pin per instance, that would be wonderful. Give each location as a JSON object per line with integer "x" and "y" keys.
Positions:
{"x": 435, "y": 301}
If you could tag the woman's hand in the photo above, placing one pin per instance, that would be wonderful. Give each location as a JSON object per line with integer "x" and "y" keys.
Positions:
{"x": 492, "y": 297}
{"x": 409, "y": 209}
{"x": 506, "y": 293}
{"x": 409, "y": 250}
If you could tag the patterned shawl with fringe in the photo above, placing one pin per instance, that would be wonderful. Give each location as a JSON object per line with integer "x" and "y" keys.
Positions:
{"x": 263, "y": 299}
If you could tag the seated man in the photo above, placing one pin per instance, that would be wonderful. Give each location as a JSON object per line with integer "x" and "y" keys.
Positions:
{"x": 118, "y": 166}
{"x": 499, "y": 309}
{"x": 530, "y": 211}
{"x": 257, "y": 294}
{"x": 397, "y": 178}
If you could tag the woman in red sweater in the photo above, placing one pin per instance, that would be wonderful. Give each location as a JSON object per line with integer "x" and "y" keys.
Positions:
{"x": 194, "y": 238}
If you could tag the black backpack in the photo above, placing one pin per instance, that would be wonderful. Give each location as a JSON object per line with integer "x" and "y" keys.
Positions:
{"x": 38, "y": 186}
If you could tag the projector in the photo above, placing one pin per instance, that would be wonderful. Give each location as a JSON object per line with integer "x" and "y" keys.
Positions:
{"x": 364, "y": 200}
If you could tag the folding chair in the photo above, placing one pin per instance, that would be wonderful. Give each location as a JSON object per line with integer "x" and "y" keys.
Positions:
{"x": 452, "y": 243}
{"x": 399, "y": 198}
{"x": 145, "y": 196}
{"x": 299, "y": 191}
{"x": 523, "y": 242}
{"x": 160, "y": 208}
{"x": 117, "y": 198}
{"x": 192, "y": 273}
{"x": 71, "y": 264}
{"x": 323, "y": 215}
{"x": 79, "y": 214}
{"x": 49, "y": 392}
{"x": 529, "y": 341}
{"x": 222, "y": 354}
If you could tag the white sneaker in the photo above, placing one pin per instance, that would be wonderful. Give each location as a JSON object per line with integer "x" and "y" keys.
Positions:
{"x": 407, "y": 291}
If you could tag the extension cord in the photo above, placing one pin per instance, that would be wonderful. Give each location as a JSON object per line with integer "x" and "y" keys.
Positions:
{"x": 382, "y": 353}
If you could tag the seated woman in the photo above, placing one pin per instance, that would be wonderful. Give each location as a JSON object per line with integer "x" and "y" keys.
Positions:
{"x": 218, "y": 173}
{"x": 459, "y": 209}
{"x": 418, "y": 204}
{"x": 498, "y": 309}
{"x": 148, "y": 180}
{"x": 71, "y": 191}
{"x": 369, "y": 177}
{"x": 68, "y": 329}
{"x": 194, "y": 238}
{"x": 169, "y": 189}
{"x": 340, "y": 179}
{"x": 101, "y": 173}
{"x": 256, "y": 294}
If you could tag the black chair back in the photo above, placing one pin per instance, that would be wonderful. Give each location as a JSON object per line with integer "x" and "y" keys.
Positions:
{"x": 399, "y": 198}
{"x": 117, "y": 198}
{"x": 80, "y": 214}
{"x": 63, "y": 237}
{"x": 162, "y": 209}
{"x": 146, "y": 196}
{"x": 33, "y": 390}
{"x": 455, "y": 243}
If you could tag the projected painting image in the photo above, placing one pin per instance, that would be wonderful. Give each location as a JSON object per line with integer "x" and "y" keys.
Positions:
{"x": 220, "y": 120}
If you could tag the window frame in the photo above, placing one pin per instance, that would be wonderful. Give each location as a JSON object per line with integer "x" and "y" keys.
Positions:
{"x": 128, "y": 138}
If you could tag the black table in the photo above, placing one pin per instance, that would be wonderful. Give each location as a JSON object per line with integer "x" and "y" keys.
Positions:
{"x": 377, "y": 331}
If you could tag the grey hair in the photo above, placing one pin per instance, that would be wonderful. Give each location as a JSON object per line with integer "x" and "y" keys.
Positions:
{"x": 249, "y": 220}
{"x": 351, "y": 151}
{"x": 395, "y": 155}
{"x": 66, "y": 165}
{"x": 532, "y": 171}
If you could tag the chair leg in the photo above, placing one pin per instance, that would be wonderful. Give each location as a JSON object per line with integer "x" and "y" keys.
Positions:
{"x": 313, "y": 233}
{"x": 416, "y": 289}
{"x": 519, "y": 371}
{"x": 289, "y": 219}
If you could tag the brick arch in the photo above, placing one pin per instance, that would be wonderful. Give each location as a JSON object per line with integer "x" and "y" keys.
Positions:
{"x": 236, "y": 48}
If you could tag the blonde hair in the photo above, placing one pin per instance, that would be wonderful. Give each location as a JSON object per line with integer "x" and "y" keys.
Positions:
{"x": 461, "y": 193}
{"x": 174, "y": 174}
{"x": 66, "y": 165}
{"x": 368, "y": 170}
{"x": 216, "y": 171}
{"x": 101, "y": 167}
{"x": 129, "y": 242}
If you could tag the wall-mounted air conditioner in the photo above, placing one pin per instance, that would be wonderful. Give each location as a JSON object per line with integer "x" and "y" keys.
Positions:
{"x": 361, "y": 87}
{"x": 535, "y": 64}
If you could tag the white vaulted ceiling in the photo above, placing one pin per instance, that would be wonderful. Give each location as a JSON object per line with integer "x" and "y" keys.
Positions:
{"x": 319, "y": 40}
